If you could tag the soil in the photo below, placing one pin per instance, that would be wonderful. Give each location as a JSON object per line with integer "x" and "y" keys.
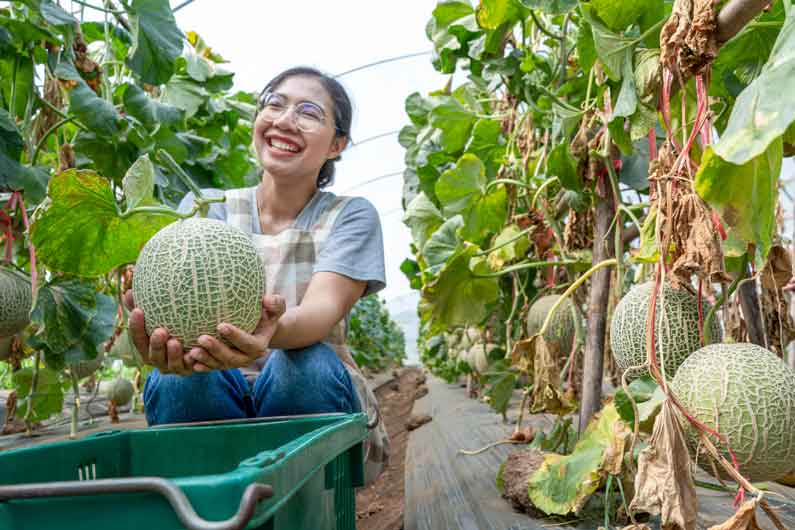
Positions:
{"x": 380, "y": 506}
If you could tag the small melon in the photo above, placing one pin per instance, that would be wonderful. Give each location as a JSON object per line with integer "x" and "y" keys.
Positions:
{"x": 676, "y": 332}
{"x": 746, "y": 393}
{"x": 83, "y": 369}
{"x": 562, "y": 328}
{"x": 16, "y": 300}
{"x": 120, "y": 391}
{"x": 196, "y": 273}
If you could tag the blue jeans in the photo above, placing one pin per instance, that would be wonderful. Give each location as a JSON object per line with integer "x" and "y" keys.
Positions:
{"x": 308, "y": 380}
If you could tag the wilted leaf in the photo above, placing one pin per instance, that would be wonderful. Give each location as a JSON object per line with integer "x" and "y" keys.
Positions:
{"x": 564, "y": 483}
{"x": 664, "y": 483}
{"x": 98, "y": 239}
{"x": 510, "y": 245}
{"x": 745, "y": 195}
{"x": 627, "y": 100}
{"x": 743, "y": 519}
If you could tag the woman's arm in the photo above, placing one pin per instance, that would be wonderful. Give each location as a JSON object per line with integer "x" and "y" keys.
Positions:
{"x": 328, "y": 299}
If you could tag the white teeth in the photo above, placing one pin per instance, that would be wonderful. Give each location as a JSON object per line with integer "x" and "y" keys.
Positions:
{"x": 283, "y": 146}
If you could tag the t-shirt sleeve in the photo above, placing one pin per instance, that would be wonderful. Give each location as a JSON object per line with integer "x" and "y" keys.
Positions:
{"x": 355, "y": 246}
{"x": 217, "y": 209}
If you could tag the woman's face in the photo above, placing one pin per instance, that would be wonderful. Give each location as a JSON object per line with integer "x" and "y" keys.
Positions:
{"x": 283, "y": 149}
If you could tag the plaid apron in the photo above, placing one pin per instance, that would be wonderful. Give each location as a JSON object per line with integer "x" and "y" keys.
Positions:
{"x": 289, "y": 259}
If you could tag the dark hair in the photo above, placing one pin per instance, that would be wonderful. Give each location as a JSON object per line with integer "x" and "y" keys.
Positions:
{"x": 343, "y": 110}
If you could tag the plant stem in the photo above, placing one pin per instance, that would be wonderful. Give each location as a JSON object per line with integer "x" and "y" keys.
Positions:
{"x": 541, "y": 188}
{"x": 45, "y": 137}
{"x": 542, "y": 28}
{"x": 76, "y": 407}
{"x": 166, "y": 158}
{"x": 168, "y": 211}
{"x": 719, "y": 302}
{"x": 497, "y": 247}
{"x": 506, "y": 181}
{"x": 530, "y": 265}
{"x": 97, "y": 8}
{"x": 33, "y": 384}
{"x": 12, "y": 108}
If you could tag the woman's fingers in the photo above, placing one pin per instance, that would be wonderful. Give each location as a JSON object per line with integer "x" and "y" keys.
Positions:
{"x": 174, "y": 360}
{"x": 157, "y": 349}
{"x": 274, "y": 305}
{"x": 252, "y": 345}
{"x": 137, "y": 330}
{"x": 203, "y": 361}
{"x": 226, "y": 356}
{"x": 129, "y": 301}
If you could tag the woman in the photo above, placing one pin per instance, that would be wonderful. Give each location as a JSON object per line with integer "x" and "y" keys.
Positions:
{"x": 321, "y": 253}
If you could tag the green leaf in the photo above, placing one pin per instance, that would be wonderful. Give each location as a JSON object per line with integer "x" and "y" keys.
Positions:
{"x": 641, "y": 390}
{"x": 586, "y": 48}
{"x": 745, "y": 195}
{"x": 649, "y": 251}
{"x": 455, "y": 123}
{"x": 98, "y": 239}
{"x": 500, "y": 390}
{"x": 99, "y": 330}
{"x": 55, "y": 14}
{"x": 763, "y": 111}
{"x": 423, "y": 217}
{"x": 418, "y": 108}
{"x": 458, "y": 188}
{"x": 484, "y": 142}
{"x": 617, "y": 14}
{"x": 157, "y": 41}
{"x": 13, "y": 175}
{"x": 63, "y": 312}
{"x": 635, "y": 167}
{"x": 491, "y": 14}
{"x": 93, "y": 111}
{"x": 564, "y": 166}
{"x": 443, "y": 243}
{"x": 151, "y": 113}
{"x": 139, "y": 182}
{"x": 448, "y": 298}
{"x": 563, "y": 484}
{"x": 551, "y": 7}
{"x": 110, "y": 158}
{"x": 620, "y": 135}
{"x": 613, "y": 49}
{"x": 24, "y": 85}
{"x": 185, "y": 94}
{"x": 46, "y": 400}
{"x": 627, "y": 100}
{"x": 510, "y": 245}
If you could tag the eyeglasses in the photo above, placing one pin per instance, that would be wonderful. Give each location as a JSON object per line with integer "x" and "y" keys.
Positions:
{"x": 307, "y": 116}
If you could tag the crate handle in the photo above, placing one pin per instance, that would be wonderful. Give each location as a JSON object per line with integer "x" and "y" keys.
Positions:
{"x": 174, "y": 495}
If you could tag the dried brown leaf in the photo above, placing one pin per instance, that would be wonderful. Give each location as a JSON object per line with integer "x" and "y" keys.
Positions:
{"x": 777, "y": 272}
{"x": 688, "y": 39}
{"x": 637, "y": 526}
{"x": 516, "y": 472}
{"x": 664, "y": 480}
{"x": 743, "y": 519}
{"x": 698, "y": 245}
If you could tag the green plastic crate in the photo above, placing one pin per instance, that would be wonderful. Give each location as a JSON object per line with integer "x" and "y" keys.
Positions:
{"x": 312, "y": 463}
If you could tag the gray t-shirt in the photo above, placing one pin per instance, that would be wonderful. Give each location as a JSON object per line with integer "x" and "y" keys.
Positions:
{"x": 355, "y": 245}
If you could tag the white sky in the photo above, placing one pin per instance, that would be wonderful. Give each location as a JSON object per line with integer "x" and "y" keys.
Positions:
{"x": 260, "y": 39}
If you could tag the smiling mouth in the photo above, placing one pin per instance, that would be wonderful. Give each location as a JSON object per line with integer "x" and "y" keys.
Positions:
{"x": 283, "y": 146}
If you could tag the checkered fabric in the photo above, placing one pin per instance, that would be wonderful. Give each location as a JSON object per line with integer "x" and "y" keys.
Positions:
{"x": 289, "y": 259}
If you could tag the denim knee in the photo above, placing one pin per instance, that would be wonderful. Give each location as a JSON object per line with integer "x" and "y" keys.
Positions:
{"x": 308, "y": 380}
{"x": 217, "y": 395}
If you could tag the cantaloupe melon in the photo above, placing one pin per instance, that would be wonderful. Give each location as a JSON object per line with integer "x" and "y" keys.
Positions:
{"x": 562, "y": 328}
{"x": 195, "y": 274}
{"x": 676, "y": 328}
{"x": 746, "y": 393}
{"x": 120, "y": 391}
{"x": 16, "y": 300}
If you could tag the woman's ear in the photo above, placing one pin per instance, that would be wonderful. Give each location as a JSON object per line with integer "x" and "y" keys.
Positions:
{"x": 338, "y": 145}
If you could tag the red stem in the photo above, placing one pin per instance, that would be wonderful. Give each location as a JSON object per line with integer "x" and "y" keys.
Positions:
{"x": 31, "y": 248}
{"x": 700, "y": 311}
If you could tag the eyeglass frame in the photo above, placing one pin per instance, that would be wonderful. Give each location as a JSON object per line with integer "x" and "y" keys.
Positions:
{"x": 291, "y": 108}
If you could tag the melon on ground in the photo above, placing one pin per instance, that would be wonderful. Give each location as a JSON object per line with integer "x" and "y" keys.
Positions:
{"x": 16, "y": 299}
{"x": 562, "y": 328}
{"x": 195, "y": 274}
{"x": 746, "y": 393}
{"x": 676, "y": 333}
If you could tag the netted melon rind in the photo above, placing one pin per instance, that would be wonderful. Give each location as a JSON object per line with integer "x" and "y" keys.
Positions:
{"x": 676, "y": 329}
{"x": 16, "y": 300}
{"x": 562, "y": 328}
{"x": 746, "y": 393}
{"x": 195, "y": 274}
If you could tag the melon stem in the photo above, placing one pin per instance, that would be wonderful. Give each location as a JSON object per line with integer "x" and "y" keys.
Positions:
{"x": 76, "y": 407}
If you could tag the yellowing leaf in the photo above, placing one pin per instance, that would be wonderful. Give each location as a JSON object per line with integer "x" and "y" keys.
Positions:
{"x": 563, "y": 484}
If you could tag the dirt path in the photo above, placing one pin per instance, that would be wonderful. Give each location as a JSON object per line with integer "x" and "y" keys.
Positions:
{"x": 380, "y": 506}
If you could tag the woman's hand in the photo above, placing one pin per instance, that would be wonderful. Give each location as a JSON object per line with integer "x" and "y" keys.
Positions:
{"x": 159, "y": 350}
{"x": 246, "y": 347}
